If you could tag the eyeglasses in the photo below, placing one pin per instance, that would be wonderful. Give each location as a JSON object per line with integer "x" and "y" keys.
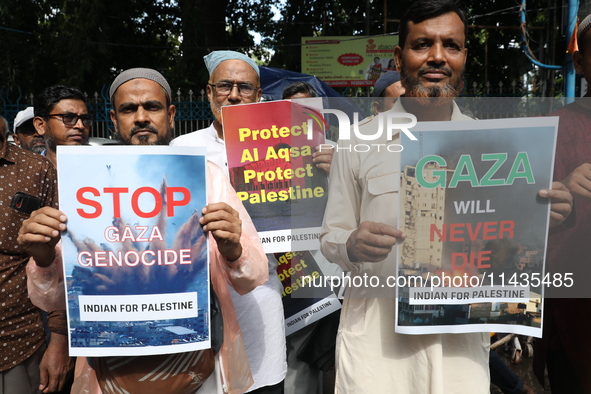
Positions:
{"x": 70, "y": 119}
{"x": 224, "y": 88}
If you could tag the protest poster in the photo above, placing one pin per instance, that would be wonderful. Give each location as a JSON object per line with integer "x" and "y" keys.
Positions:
{"x": 269, "y": 147}
{"x": 136, "y": 259}
{"x": 473, "y": 259}
{"x": 305, "y": 297}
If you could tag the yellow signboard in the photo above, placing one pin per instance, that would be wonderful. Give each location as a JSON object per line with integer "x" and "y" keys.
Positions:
{"x": 348, "y": 61}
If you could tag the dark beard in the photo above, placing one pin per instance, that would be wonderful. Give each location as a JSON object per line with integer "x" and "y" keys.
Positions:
{"x": 144, "y": 139}
{"x": 413, "y": 88}
{"x": 38, "y": 149}
{"x": 50, "y": 143}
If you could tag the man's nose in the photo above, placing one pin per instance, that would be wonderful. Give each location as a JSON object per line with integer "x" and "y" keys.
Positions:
{"x": 437, "y": 54}
{"x": 234, "y": 95}
{"x": 141, "y": 115}
{"x": 79, "y": 124}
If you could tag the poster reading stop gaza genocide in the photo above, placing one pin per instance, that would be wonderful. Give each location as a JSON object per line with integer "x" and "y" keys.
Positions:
{"x": 473, "y": 259}
{"x": 135, "y": 256}
{"x": 270, "y": 147}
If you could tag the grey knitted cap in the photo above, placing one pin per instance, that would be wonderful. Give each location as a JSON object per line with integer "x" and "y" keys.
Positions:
{"x": 135, "y": 73}
{"x": 584, "y": 27}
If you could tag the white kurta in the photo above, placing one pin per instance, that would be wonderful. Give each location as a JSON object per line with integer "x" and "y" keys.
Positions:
{"x": 371, "y": 357}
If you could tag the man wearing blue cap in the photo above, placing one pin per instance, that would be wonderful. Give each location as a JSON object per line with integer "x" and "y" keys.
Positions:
{"x": 388, "y": 87}
{"x": 234, "y": 78}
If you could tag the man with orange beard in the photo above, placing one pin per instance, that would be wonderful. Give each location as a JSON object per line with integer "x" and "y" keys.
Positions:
{"x": 359, "y": 231}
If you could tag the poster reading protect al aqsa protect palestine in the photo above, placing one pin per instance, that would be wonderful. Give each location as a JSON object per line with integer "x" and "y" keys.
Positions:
{"x": 269, "y": 147}
{"x": 135, "y": 257}
{"x": 473, "y": 259}
{"x": 303, "y": 303}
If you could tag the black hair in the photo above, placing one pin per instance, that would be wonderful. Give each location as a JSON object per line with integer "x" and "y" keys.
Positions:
{"x": 49, "y": 97}
{"x": 421, "y": 10}
{"x": 4, "y": 125}
{"x": 299, "y": 87}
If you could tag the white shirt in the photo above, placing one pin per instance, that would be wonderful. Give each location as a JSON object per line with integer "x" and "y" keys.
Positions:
{"x": 260, "y": 312}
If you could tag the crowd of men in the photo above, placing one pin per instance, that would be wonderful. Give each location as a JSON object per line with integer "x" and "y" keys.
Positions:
{"x": 359, "y": 234}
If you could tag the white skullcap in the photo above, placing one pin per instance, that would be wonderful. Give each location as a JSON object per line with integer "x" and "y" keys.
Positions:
{"x": 22, "y": 117}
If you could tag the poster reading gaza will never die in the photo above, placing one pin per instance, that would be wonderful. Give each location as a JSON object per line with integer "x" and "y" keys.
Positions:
{"x": 474, "y": 256}
{"x": 135, "y": 256}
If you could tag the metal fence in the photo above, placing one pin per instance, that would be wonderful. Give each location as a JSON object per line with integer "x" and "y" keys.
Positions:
{"x": 192, "y": 111}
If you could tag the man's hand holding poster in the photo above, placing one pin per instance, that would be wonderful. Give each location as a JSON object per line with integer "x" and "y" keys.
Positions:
{"x": 135, "y": 255}
{"x": 473, "y": 259}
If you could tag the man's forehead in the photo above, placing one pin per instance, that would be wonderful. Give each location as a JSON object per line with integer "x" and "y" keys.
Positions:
{"x": 446, "y": 25}
{"x": 585, "y": 42}
{"x": 68, "y": 103}
{"x": 233, "y": 69}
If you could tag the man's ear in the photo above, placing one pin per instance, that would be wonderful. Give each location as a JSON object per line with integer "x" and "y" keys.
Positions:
{"x": 465, "y": 56}
{"x": 578, "y": 62}
{"x": 16, "y": 139}
{"x": 114, "y": 120}
{"x": 376, "y": 108}
{"x": 171, "y": 114}
{"x": 39, "y": 124}
{"x": 398, "y": 57}
{"x": 209, "y": 91}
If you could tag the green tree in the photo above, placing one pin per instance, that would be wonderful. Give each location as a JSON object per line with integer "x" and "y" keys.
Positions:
{"x": 84, "y": 43}
{"x": 218, "y": 25}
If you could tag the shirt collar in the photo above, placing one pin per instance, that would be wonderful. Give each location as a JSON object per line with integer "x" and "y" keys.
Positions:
{"x": 7, "y": 153}
{"x": 214, "y": 133}
{"x": 455, "y": 113}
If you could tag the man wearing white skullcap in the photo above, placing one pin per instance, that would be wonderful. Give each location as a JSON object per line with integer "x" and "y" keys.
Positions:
{"x": 234, "y": 78}
{"x": 25, "y": 134}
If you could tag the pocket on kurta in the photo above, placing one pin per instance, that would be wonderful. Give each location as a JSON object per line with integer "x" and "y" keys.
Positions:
{"x": 384, "y": 193}
{"x": 388, "y": 183}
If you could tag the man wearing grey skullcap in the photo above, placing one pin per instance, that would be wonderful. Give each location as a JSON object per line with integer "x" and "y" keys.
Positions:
{"x": 141, "y": 123}
{"x": 144, "y": 73}
{"x": 141, "y": 117}
{"x": 234, "y": 79}
{"x": 565, "y": 345}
